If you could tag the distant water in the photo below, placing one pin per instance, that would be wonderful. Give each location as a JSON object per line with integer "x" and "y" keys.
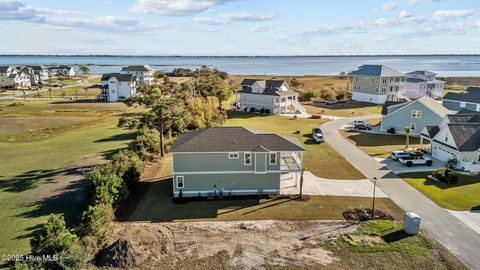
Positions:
{"x": 331, "y": 65}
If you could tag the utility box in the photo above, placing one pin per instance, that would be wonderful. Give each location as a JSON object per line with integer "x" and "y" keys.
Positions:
{"x": 411, "y": 223}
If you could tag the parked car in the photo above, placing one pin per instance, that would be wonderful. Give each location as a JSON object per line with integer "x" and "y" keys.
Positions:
{"x": 395, "y": 155}
{"x": 332, "y": 101}
{"x": 316, "y": 131}
{"x": 416, "y": 160}
{"x": 362, "y": 127}
{"x": 318, "y": 137}
{"x": 362, "y": 122}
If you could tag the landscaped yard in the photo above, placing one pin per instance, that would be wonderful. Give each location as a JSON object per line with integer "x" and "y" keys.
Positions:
{"x": 347, "y": 109}
{"x": 321, "y": 159}
{"x": 69, "y": 92}
{"x": 378, "y": 145}
{"x": 463, "y": 196}
{"x": 26, "y": 168}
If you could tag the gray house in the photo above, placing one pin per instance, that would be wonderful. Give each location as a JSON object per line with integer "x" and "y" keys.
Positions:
{"x": 415, "y": 114}
{"x": 377, "y": 84}
{"x": 233, "y": 161}
{"x": 469, "y": 99}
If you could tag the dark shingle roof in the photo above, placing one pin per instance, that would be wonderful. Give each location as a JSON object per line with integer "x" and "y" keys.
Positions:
{"x": 271, "y": 87}
{"x": 137, "y": 68}
{"x": 4, "y": 69}
{"x": 464, "y": 118}
{"x": 432, "y": 130}
{"x": 120, "y": 77}
{"x": 391, "y": 103}
{"x": 377, "y": 70}
{"x": 466, "y": 136}
{"x": 421, "y": 72}
{"x": 232, "y": 139}
{"x": 415, "y": 80}
{"x": 471, "y": 94}
{"x": 38, "y": 67}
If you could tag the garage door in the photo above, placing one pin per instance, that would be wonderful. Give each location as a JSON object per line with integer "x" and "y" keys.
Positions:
{"x": 442, "y": 154}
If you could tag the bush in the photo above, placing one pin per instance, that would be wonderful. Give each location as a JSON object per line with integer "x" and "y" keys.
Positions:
{"x": 245, "y": 110}
{"x": 104, "y": 186}
{"x": 316, "y": 116}
{"x": 128, "y": 165}
{"x": 446, "y": 175}
{"x": 252, "y": 110}
{"x": 452, "y": 164}
{"x": 96, "y": 223}
{"x": 307, "y": 95}
{"x": 53, "y": 238}
{"x": 267, "y": 111}
{"x": 391, "y": 130}
{"x": 146, "y": 144}
{"x": 20, "y": 265}
{"x": 262, "y": 110}
{"x": 75, "y": 258}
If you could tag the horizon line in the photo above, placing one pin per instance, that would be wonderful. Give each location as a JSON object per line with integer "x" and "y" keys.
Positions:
{"x": 231, "y": 56}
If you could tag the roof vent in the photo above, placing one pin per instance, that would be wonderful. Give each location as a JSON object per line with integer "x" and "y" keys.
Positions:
{"x": 234, "y": 141}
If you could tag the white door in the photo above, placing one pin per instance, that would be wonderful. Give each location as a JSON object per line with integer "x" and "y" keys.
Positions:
{"x": 442, "y": 154}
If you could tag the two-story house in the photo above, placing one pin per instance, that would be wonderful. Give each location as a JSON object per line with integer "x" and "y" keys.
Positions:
{"x": 469, "y": 99}
{"x": 34, "y": 78}
{"x": 41, "y": 71}
{"x": 12, "y": 77}
{"x": 377, "y": 84}
{"x": 61, "y": 71}
{"x": 143, "y": 73}
{"x": 456, "y": 137}
{"x": 223, "y": 161}
{"x": 416, "y": 114}
{"x": 423, "y": 83}
{"x": 116, "y": 86}
{"x": 273, "y": 96}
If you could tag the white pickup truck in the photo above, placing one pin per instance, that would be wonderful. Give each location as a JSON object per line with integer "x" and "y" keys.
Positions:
{"x": 415, "y": 160}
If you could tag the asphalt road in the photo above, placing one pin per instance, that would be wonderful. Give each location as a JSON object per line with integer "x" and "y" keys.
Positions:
{"x": 447, "y": 229}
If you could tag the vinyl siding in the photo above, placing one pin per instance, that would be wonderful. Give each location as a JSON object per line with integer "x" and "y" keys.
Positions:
{"x": 401, "y": 118}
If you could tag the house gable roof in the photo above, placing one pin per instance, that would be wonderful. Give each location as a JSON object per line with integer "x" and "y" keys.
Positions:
{"x": 389, "y": 104}
{"x": 466, "y": 136}
{"x": 471, "y": 95}
{"x": 429, "y": 103}
{"x": 4, "y": 69}
{"x": 271, "y": 87}
{"x": 232, "y": 139}
{"x": 120, "y": 77}
{"x": 421, "y": 72}
{"x": 142, "y": 68}
{"x": 377, "y": 70}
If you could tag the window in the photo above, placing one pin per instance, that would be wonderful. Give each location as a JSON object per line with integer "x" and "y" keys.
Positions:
{"x": 247, "y": 158}
{"x": 384, "y": 80}
{"x": 446, "y": 138}
{"x": 273, "y": 158}
{"x": 383, "y": 90}
{"x": 356, "y": 79}
{"x": 376, "y": 90}
{"x": 416, "y": 114}
{"x": 373, "y": 80}
{"x": 412, "y": 127}
{"x": 180, "y": 182}
{"x": 233, "y": 155}
{"x": 463, "y": 104}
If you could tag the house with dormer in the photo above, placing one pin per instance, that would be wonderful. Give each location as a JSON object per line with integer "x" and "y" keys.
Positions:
{"x": 143, "y": 73}
{"x": 116, "y": 86}
{"x": 423, "y": 83}
{"x": 269, "y": 96}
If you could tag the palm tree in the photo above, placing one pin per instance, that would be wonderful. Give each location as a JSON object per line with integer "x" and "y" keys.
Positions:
{"x": 86, "y": 92}
{"x": 408, "y": 131}
{"x": 50, "y": 93}
{"x": 76, "y": 93}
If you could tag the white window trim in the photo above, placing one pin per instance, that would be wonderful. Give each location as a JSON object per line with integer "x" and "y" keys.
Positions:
{"x": 233, "y": 153}
{"x": 413, "y": 126}
{"x": 463, "y": 104}
{"x": 245, "y": 158}
{"x": 183, "y": 181}
{"x": 270, "y": 158}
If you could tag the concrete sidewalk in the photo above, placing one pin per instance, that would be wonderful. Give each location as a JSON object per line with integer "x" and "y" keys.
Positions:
{"x": 470, "y": 218}
{"x": 460, "y": 239}
{"x": 314, "y": 185}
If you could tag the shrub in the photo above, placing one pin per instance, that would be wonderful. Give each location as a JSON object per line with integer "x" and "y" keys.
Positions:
{"x": 262, "y": 110}
{"x": 391, "y": 130}
{"x": 146, "y": 144}
{"x": 20, "y": 265}
{"x": 128, "y": 165}
{"x": 96, "y": 223}
{"x": 252, "y": 110}
{"x": 54, "y": 238}
{"x": 316, "y": 116}
{"x": 245, "y": 110}
{"x": 307, "y": 95}
{"x": 267, "y": 111}
{"x": 446, "y": 175}
{"x": 452, "y": 164}
{"x": 105, "y": 186}
{"x": 75, "y": 258}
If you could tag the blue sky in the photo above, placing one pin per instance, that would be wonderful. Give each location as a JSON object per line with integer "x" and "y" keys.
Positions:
{"x": 239, "y": 27}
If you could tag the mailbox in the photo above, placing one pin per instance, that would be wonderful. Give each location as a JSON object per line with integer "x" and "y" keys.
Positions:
{"x": 411, "y": 223}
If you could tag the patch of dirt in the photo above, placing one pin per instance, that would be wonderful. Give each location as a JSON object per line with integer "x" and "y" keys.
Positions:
{"x": 364, "y": 214}
{"x": 241, "y": 244}
{"x": 364, "y": 240}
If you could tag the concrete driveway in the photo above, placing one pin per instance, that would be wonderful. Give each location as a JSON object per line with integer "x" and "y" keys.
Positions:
{"x": 314, "y": 185}
{"x": 397, "y": 167}
{"x": 471, "y": 218}
{"x": 455, "y": 235}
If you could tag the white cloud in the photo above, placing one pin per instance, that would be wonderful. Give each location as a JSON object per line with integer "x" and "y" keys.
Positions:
{"x": 477, "y": 24}
{"x": 228, "y": 18}
{"x": 384, "y": 22}
{"x": 261, "y": 28}
{"x": 405, "y": 14}
{"x": 441, "y": 15}
{"x": 174, "y": 7}
{"x": 389, "y": 6}
{"x": 415, "y": 2}
{"x": 403, "y": 18}
{"x": 356, "y": 27}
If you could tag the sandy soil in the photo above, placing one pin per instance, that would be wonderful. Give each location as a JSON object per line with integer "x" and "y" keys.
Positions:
{"x": 249, "y": 244}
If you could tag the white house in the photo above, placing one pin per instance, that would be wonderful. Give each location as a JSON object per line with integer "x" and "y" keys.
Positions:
{"x": 143, "y": 73}
{"x": 457, "y": 137}
{"x": 116, "y": 86}
{"x": 41, "y": 71}
{"x": 423, "y": 83}
{"x": 61, "y": 71}
{"x": 12, "y": 77}
{"x": 34, "y": 78}
{"x": 377, "y": 84}
{"x": 270, "y": 95}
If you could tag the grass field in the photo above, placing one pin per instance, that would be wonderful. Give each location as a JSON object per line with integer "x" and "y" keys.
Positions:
{"x": 378, "y": 145}
{"x": 29, "y": 172}
{"x": 379, "y": 245}
{"x": 347, "y": 109}
{"x": 321, "y": 159}
{"x": 463, "y": 196}
{"x": 309, "y": 82}
{"x": 69, "y": 92}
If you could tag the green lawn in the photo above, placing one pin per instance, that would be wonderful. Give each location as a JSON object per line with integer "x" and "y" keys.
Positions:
{"x": 321, "y": 159}
{"x": 463, "y": 196}
{"x": 378, "y": 145}
{"x": 379, "y": 245}
{"x": 69, "y": 92}
{"x": 347, "y": 109}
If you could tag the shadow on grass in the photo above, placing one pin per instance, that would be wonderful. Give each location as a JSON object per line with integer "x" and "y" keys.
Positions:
{"x": 369, "y": 139}
{"x": 26, "y": 180}
{"x": 475, "y": 208}
{"x": 344, "y": 105}
{"x": 395, "y": 236}
{"x": 118, "y": 137}
{"x": 244, "y": 115}
{"x": 464, "y": 180}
